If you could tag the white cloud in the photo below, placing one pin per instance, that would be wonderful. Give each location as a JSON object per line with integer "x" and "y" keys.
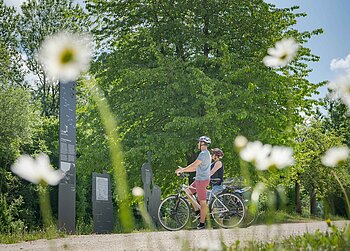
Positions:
{"x": 341, "y": 64}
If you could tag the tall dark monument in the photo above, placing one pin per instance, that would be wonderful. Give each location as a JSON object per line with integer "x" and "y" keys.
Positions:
{"x": 67, "y": 155}
{"x": 152, "y": 191}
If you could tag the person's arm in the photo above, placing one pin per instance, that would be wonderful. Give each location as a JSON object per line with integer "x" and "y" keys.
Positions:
{"x": 216, "y": 167}
{"x": 190, "y": 168}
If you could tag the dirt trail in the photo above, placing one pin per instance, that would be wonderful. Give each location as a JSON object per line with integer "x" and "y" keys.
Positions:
{"x": 164, "y": 240}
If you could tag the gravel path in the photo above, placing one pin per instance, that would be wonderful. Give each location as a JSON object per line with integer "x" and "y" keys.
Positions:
{"x": 164, "y": 240}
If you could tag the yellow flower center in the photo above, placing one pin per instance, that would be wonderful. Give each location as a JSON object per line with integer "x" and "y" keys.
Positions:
{"x": 284, "y": 56}
{"x": 67, "y": 56}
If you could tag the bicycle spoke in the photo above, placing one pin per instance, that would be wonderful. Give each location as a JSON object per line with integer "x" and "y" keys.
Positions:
{"x": 173, "y": 213}
{"x": 227, "y": 210}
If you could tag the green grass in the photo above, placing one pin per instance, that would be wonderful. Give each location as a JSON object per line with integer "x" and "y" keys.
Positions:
{"x": 284, "y": 217}
{"x": 332, "y": 239}
{"x": 49, "y": 234}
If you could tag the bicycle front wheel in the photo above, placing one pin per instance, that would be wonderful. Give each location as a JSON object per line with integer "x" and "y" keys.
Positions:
{"x": 227, "y": 210}
{"x": 173, "y": 213}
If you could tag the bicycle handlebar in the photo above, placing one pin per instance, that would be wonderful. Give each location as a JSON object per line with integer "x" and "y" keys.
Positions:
{"x": 183, "y": 175}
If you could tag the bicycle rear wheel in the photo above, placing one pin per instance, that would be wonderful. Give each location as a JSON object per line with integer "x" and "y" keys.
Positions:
{"x": 173, "y": 213}
{"x": 227, "y": 210}
{"x": 251, "y": 215}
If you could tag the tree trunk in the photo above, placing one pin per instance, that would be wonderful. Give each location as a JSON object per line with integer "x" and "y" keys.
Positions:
{"x": 298, "y": 208}
{"x": 313, "y": 206}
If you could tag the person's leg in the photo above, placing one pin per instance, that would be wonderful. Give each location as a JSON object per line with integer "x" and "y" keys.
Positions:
{"x": 201, "y": 186}
{"x": 217, "y": 189}
{"x": 190, "y": 192}
{"x": 203, "y": 211}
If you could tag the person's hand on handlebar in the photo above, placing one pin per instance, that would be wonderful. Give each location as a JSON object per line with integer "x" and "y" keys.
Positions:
{"x": 179, "y": 171}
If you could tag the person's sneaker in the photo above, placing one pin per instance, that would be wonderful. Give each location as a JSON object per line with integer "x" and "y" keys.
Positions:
{"x": 201, "y": 226}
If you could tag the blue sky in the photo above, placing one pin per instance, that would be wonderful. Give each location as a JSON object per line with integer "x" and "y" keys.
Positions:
{"x": 333, "y": 17}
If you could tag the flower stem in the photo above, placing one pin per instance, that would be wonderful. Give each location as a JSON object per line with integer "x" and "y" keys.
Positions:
{"x": 344, "y": 192}
{"x": 145, "y": 215}
{"x": 45, "y": 207}
{"x": 120, "y": 176}
{"x": 46, "y": 213}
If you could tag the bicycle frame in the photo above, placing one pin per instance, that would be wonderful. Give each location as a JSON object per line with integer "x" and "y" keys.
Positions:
{"x": 185, "y": 188}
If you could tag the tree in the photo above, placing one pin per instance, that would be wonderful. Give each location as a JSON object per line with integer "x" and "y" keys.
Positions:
{"x": 11, "y": 72}
{"x": 312, "y": 142}
{"x": 17, "y": 123}
{"x": 337, "y": 118}
{"x": 40, "y": 19}
{"x": 190, "y": 68}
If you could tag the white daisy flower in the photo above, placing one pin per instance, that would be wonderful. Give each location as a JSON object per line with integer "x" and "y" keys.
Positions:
{"x": 250, "y": 151}
{"x": 262, "y": 161}
{"x": 137, "y": 192}
{"x": 240, "y": 141}
{"x": 36, "y": 170}
{"x": 281, "y": 157}
{"x": 341, "y": 89}
{"x": 257, "y": 153}
{"x": 215, "y": 245}
{"x": 283, "y": 52}
{"x": 335, "y": 155}
{"x": 203, "y": 244}
{"x": 265, "y": 156}
{"x": 209, "y": 244}
{"x": 65, "y": 56}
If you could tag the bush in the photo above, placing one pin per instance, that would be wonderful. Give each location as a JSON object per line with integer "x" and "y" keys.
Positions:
{"x": 9, "y": 213}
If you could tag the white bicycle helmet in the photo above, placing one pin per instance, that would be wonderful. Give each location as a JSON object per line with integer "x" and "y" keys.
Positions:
{"x": 205, "y": 139}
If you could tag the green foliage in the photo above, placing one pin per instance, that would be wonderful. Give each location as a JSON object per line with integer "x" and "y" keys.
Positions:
{"x": 171, "y": 72}
{"x": 193, "y": 68}
{"x": 32, "y": 235}
{"x": 332, "y": 239}
{"x": 9, "y": 215}
{"x": 40, "y": 19}
{"x": 313, "y": 141}
{"x": 16, "y": 123}
{"x": 337, "y": 118}
{"x": 11, "y": 72}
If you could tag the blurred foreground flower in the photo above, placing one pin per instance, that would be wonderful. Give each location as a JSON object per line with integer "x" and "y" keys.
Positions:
{"x": 266, "y": 156}
{"x": 335, "y": 156}
{"x": 36, "y": 170}
{"x": 281, "y": 157}
{"x": 209, "y": 244}
{"x": 65, "y": 56}
{"x": 240, "y": 142}
{"x": 283, "y": 52}
{"x": 137, "y": 192}
{"x": 258, "y": 189}
{"x": 341, "y": 89}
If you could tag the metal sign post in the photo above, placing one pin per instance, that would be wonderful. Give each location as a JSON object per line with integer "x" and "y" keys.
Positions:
{"x": 67, "y": 155}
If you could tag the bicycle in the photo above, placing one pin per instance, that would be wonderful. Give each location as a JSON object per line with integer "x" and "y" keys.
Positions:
{"x": 251, "y": 210}
{"x": 226, "y": 209}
